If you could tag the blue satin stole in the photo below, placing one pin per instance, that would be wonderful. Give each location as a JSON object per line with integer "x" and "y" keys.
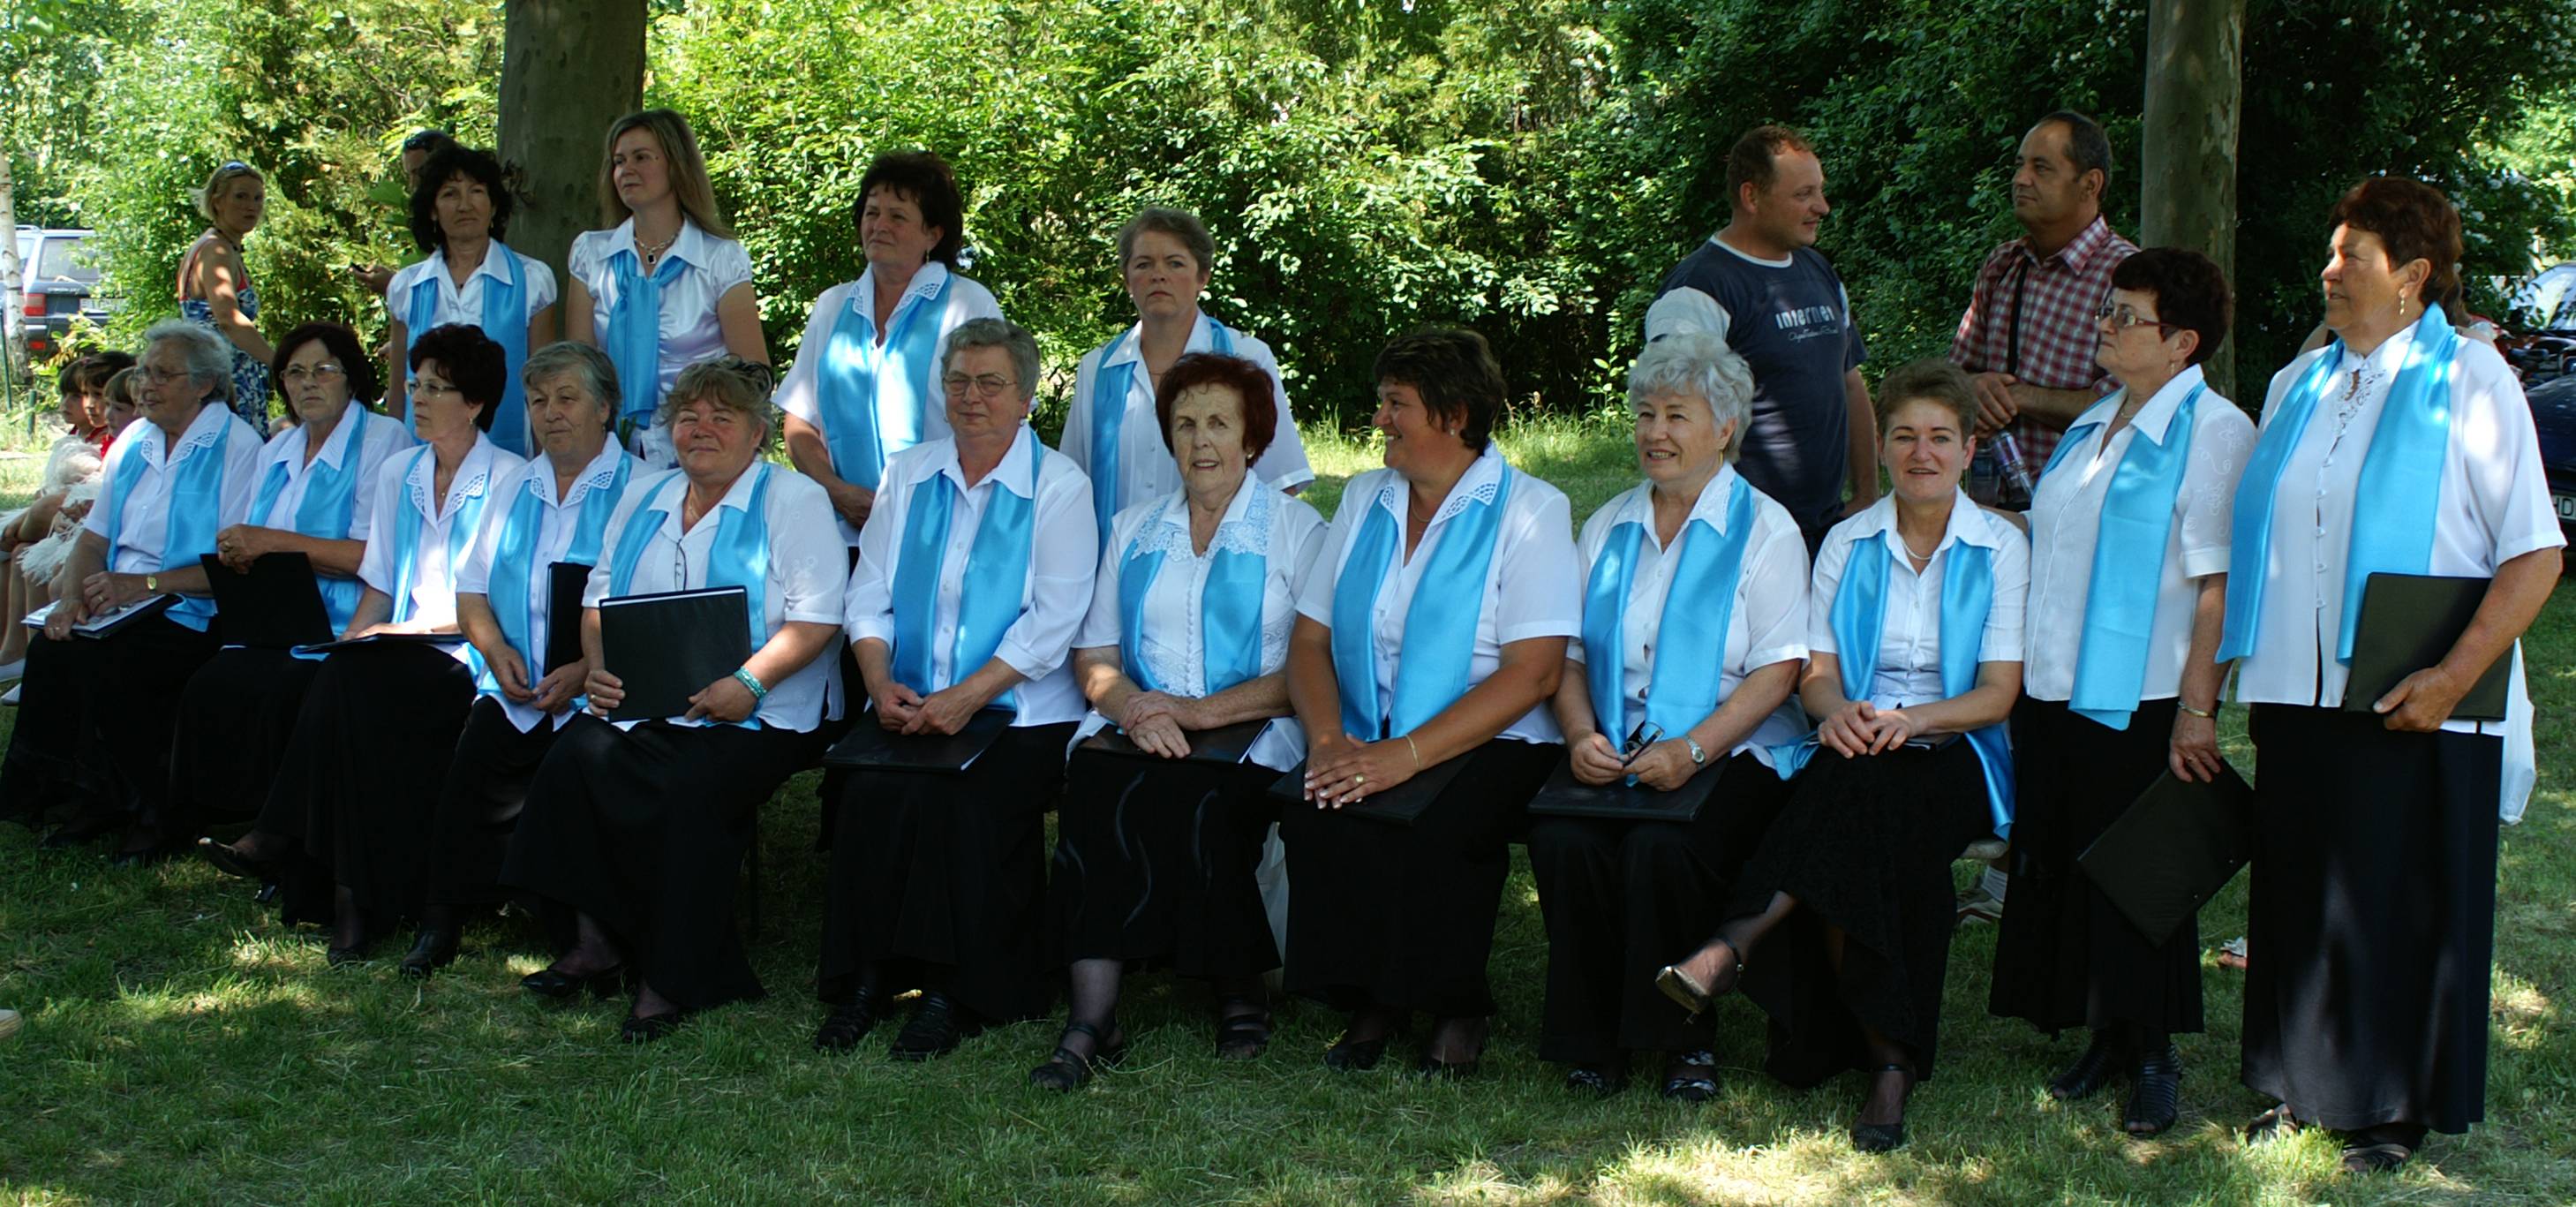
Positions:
{"x": 1690, "y": 636}
{"x": 505, "y": 321}
{"x": 329, "y": 505}
{"x": 1110, "y": 385}
{"x": 633, "y": 340}
{"x": 738, "y": 558}
{"x": 194, "y": 507}
{"x": 1229, "y": 605}
{"x": 870, "y": 396}
{"x": 518, "y": 589}
{"x": 407, "y": 522}
{"x": 2128, "y": 563}
{"x": 989, "y": 601}
{"x": 1440, "y": 627}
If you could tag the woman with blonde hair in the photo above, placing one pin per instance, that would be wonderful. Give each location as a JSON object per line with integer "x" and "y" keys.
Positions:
{"x": 663, "y": 284}
{"x": 215, "y": 290}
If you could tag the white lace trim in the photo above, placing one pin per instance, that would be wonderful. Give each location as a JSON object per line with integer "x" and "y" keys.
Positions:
{"x": 1172, "y": 663}
{"x": 421, "y": 483}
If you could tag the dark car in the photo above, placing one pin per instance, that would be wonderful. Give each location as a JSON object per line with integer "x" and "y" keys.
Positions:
{"x": 59, "y": 282}
{"x": 2545, "y": 345}
{"x": 2553, "y": 411}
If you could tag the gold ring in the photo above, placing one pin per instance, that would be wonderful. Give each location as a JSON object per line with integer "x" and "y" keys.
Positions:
{"x": 1358, "y": 780}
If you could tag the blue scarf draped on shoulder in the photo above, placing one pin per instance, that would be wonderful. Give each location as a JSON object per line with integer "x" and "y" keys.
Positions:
{"x": 1109, "y": 388}
{"x": 505, "y": 321}
{"x": 1440, "y": 627}
{"x": 1229, "y": 607}
{"x": 997, "y": 576}
{"x": 1699, "y": 607}
{"x": 2128, "y": 564}
{"x": 194, "y": 508}
{"x": 633, "y": 340}
{"x": 518, "y": 589}
{"x": 407, "y": 524}
{"x": 329, "y": 505}
{"x": 739, "y": 558}
{"x": 870, "y": 397}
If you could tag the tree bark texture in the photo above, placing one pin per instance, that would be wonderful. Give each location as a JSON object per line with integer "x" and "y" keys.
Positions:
{"x": 569, "y": 68}
{"x": 2194, "y": 108}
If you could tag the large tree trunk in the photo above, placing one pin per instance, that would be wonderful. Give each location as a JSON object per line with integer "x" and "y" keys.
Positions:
{"x": 13, "y": 328}
{"x": 2195, "y": 69}
{"x": 569, "y": 68}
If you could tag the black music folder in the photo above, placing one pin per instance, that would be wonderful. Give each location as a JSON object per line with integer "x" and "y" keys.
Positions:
{"x": 669, "y": 646}
{"x": 1566, "y": 796}
{"x": 566, "y": 581}
{"x": 2409, "y": 622}
{"x": 382, "y": 641}
{"x": 1223, "y": 744}
{"x": 1401, "y": 805}
{"x": 2178, "y": 844}
{"x": 873, "y": 747}
{"x": 275, "y": 605}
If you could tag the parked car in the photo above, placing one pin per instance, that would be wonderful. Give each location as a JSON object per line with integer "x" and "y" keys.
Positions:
{"x": 2553, "y": 411}
{"x": 59, "y": 282}
{"x": 2544, "y": 345}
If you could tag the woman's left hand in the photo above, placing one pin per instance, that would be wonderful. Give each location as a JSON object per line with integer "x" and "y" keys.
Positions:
{"x": 944, "y": 712}
{"x": 1893, "y": 728}
{"x": 725, "y": 700}
{"x": 242, "y": 544}
{"x": 107, "y": 591}
{"x": 1663, "y": 766}
{"x": 2421, "y": 701}
{"x": 557, "y": 691}
{"x": 2194, "y": 749}
{"x": 1353, "y": 773}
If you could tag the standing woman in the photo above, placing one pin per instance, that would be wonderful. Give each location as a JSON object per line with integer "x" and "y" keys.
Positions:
{"x": 459, "y": 211}
{"x": 2399, "y": 447}
{"x": 215, "y": 291}
{"x": 1164, "y": 257}
{"x": 665, "y": 286}
{"x": 865, "y": 384}
{"x": 316, "y": 498}
{"x": 553, "y": 509}
{"x": 1915, "y": 633}
{"x": 972, "y": 578}
{"x": 2128, "y": 587}
{"x": 1432, "y": 626}
{"x": 638, "y": 828}
{"x": 1694, "y": 628}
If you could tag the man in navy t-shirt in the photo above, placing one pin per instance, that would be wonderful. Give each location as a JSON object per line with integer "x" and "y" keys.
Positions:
{"x": 1761, "y": 285}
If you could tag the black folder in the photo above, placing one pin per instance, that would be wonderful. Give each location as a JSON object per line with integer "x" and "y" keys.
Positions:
{"x": 2409, "y": 622}
{"x": 1566, "y": 796}
{"x": 566, "y": 581}
{"x": 2178, "y": 844}
{"x": 382, "y": 641}
{"x": 275, "y": 605}
{"x": 873, "y": 747}
{"x": 1223, "y": 744}
{"x": 669, "y": 646}
{"x": 1401, "y": 805}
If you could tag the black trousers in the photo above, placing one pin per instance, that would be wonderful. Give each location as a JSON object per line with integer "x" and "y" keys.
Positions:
{"x": 236, "y": 718}
{"x": 95, "y": 719}
{"x": 2372, "y": 919}
{"x": 479, "y": 803}
{"x": 1624, "y": 898}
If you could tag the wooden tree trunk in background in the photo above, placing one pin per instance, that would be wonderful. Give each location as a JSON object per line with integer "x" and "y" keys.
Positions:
{"x": 13, "y": 328}
{"x": 569, "y": 68}
{"x": 2195, "y": 71}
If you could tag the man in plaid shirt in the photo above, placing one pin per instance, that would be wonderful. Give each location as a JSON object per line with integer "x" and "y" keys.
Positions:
{"x": 2030, "y": 331}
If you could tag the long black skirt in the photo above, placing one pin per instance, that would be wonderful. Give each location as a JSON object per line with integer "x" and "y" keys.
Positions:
{"x": 1403, "y": 916}
{"x": 2067, "y": 957}
{"x": 1864, "y": 846}
{"x": 645, "y": 830}
{"x": 480, "y": 802}
{"x": 2374, "y": 915}
{"x": 360, "y": 779}
{"x": 95, "y": 718}
{"x": 938, "y": 881}
{"x": 1154, "y": 860}
{"x": 235, "y": 719}
{"x": 1623, "y": 898}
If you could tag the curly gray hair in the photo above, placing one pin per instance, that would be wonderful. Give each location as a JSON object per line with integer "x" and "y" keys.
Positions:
{"x": 208, "y": 357}
{"x": 998, "y": 333}
{"x": 583, "y": 363}
{"x": 1701, "y": 366}
{"x": 728, "y": 381}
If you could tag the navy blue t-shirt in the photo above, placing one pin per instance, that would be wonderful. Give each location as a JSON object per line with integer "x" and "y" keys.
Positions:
{"x": 1792, "y": 325}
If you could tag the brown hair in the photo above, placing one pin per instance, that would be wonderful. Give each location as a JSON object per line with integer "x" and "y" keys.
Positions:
{"x": 2414, "y": 221}
{"x": 1931, "y": 379}
{"x": 926, "y": 178}
{"x": 1454, "y": 370}
{"x": 1249, "y": 383}
{"x": 1179, "y": 224}
{"x": 1754, "y": 159}
{"x": 688, "y": 171}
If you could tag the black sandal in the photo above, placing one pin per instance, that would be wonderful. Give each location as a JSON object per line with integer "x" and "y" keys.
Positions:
{"x": 1883, "y": 1137}
{"x": 1683, "y": 1085}
{"x": 1242, "y": 1035}
{"x": 1068, "y": 1070}
{"x": 2155, "y": 1096}
{"x": 2275, "y": 1124}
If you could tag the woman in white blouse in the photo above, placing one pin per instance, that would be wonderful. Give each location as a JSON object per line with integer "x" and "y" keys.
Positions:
{"x": 1694, "y": 628}
{"x": 2399, "y": 448}
{"x": 1165, "y": 257}
{"x": 2128, "y": 585}
{"x": 94, "y": 722}
{"x": 665, "y": 285}
{"x": 460, "y": 209}
{"x": 638, "y": 829}
{"x": 316, "y": 499}
{"x": 553, "y": 510}
{"x": 865, "y": 384}
{"x": 973, "y": 574}
{"x": 1432, "y": 627}
{"x": 1188, "y": 632}
{"x": 1915, "y": 639}
{"x": 354, "y": 790}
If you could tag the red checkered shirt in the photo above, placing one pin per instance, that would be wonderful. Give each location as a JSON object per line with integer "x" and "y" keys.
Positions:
{"x": 2058, "y": 332}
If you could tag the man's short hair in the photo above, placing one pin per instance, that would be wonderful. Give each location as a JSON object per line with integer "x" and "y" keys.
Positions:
{"x": 2086, "y": 145}
{"x": 1755, "y": 158}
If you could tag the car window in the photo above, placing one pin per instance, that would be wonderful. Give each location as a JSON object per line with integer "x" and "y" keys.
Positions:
{"x": 61, "y": 261}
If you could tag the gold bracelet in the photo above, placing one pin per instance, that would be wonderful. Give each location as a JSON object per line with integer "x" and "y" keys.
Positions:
{"x": 1417, "y": 751}
{"x": 2188, "y": 710}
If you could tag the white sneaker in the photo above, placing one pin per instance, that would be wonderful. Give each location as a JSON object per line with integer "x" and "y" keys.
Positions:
{"x": 10, "y": 697}
{"x": 9, "y": 1023}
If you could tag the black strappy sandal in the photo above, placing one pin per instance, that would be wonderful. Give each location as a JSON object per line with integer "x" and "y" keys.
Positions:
{"x": 1241, "y": 1035}
{"x": 1883, "y": 1137}
{"x": 1683, "y": 1084}
{"x": 1067, "y": 1070}
{"x": 2155, "y": 1097}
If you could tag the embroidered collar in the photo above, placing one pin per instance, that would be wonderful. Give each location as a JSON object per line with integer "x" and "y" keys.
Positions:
{"x": 1481, "y": 483}
{"x": 926, "y": 282}
{"x": 1709, "y": 506}
{"x": 601, "y": 471}
{"x": 205, "y": 429}
{"x": 472, "y": 475}
{"x": 1244, "y": 528}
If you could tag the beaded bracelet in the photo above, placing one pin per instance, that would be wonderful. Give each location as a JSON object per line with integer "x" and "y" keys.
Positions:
{"x": 743, "y": 676}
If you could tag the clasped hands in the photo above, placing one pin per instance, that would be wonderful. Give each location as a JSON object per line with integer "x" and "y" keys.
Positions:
{"x": 1860, "y": 727}
{"x": 1662, "y": 766}
{"x": 903, "y": 710}
{"x": 1343, "y": 770}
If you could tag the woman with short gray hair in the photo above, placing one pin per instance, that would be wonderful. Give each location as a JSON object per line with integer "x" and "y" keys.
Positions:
{"x": 1694, "y": 627}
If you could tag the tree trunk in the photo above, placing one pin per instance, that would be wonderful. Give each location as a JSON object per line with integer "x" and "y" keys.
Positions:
{"x": 569, "y": 68}
{"x": 2195, "y": 71}
{"x": 13, "y": 328}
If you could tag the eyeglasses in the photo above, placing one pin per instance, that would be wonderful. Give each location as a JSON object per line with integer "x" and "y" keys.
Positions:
{"x": 988, "y": 385}
{"x": 2122, "y": 318}
{"x": 421, "y": 386}
{"x": 326, "y": 371}
{"x": 155, "y": 375}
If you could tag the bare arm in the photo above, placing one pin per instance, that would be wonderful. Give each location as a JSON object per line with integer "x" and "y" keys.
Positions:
{"x": 2057, "y": 408}
{"x": 811, "y": 454}
{"x": 220, "y": 278}
{"x": 576, "y": 314}
{"x": 398, "y": 368}
{"x": 541, "y": 329}
{"x": 1862, "y": 441}
{"x": 738, "y": 313}
{"x": 2193, "y": 751}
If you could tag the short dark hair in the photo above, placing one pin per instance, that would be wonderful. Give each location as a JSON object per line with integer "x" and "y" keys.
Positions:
{"x": 924, "y": 177}
{"x": 1454, "y": 370}
{"x": 1754, "y": 159}
{"x": 89, "y": 374}
{"x": 469, "y": 358}
{"x": 1179, "y": 224}
{"x": 2190, "y": 291}
{"x": 2414, "y": 221}
{"x": 457, "y": 160}
{"x": 2086, "y": 144}
{"x": 341, "y": 343}
{"x": 1249, "y": 383}
{"x": 430, "y": 141}
{"x": 1932, "y": 379}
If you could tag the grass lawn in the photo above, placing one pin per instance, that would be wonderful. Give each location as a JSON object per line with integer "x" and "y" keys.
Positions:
{"x": 183, "y": 1046}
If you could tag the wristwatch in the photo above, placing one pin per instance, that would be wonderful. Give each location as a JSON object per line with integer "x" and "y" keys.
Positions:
{"x": 1699, "y": 757}
{"x": 152, "y": 583}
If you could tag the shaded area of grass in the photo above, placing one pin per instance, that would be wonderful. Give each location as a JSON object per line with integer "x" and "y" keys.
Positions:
{"x": 182, "y": 1045}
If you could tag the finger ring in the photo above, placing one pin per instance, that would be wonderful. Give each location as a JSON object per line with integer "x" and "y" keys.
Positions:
{"x": 1358, "y": 780}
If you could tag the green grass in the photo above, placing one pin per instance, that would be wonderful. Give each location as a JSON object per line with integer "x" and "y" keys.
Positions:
{"x": 182, "y": 1046}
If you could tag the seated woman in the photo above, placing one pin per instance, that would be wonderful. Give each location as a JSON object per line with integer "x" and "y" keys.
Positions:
{"x": 974, "y": 571}
{"x": 1188, "y": 631}
{"x": 70, "y": 482}
{"x": 1431, "y": 627}
{"x": 316, "y": 498}
{"x": 1694, "y": 628}
{"x": 460, "y": 208}
{"x": 553, "y": 509}
{"x": 93, "y": 731}
{"x": 639, "y": 828}
{"x": 1915, "y": 627}
{"x": 372, "y": 739}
